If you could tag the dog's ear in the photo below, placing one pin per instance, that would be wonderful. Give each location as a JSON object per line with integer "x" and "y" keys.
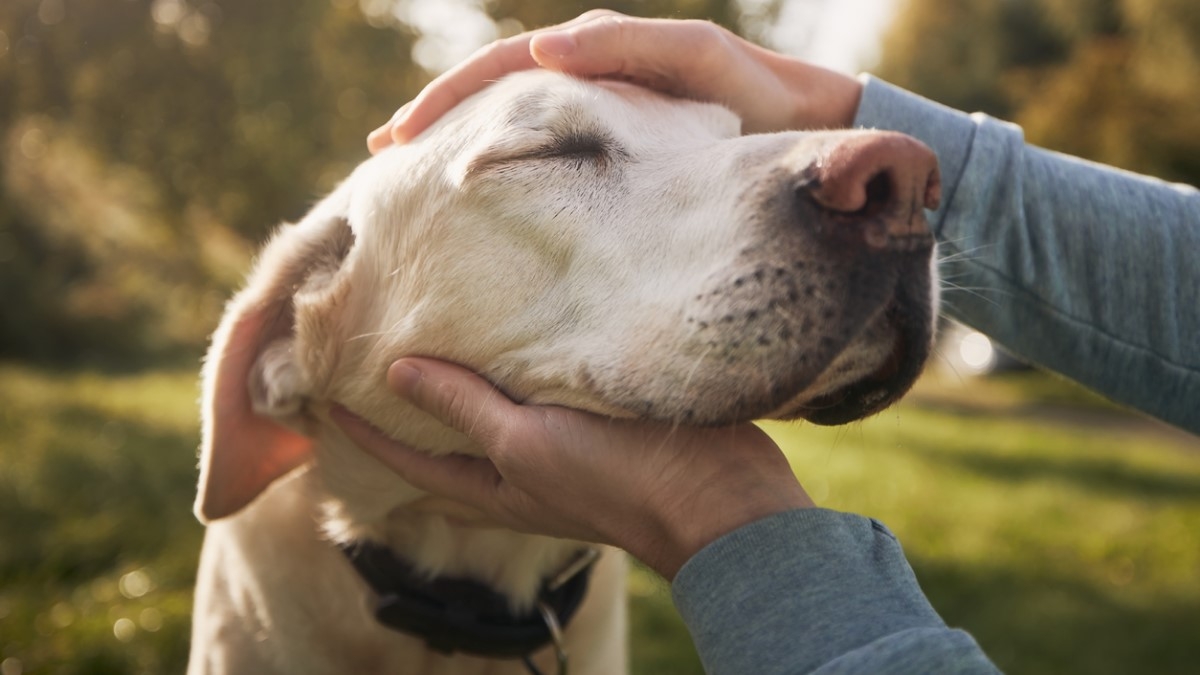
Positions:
{"x": 254, "y": 388}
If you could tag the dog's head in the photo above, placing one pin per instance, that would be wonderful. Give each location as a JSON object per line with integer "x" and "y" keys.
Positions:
{"x": 593, "y": 245}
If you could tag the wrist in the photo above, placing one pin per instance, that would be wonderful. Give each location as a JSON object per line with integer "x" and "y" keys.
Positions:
{"x": 821, "y": 98}
{"x": 685, "y": 531}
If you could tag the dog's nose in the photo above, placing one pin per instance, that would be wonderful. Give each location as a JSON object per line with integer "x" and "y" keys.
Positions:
{"x": 881, "y": 181}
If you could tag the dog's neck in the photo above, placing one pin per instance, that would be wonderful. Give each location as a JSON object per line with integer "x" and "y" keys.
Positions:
{"x": 438, "y": 536}
{"x": 463, "y": 615}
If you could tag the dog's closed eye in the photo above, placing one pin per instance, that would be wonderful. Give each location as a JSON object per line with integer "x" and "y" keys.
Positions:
{"x": 579, "y": 144}
{"x": 583, "y": 147}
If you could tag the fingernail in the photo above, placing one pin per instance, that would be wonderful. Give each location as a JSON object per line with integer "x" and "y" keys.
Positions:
{"x": 554, "y": 44}
{"x": 402, "y": 377}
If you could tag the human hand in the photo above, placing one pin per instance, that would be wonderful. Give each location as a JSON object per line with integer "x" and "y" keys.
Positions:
{"x": 692, "y": 59}
{"x": 660, "y": 492}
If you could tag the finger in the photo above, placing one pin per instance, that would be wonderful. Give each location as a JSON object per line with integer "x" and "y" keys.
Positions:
{"x": 457, "y": 397}
{"x": 485, "y": 66}
{"x": 470, "y": 480}
{"x": 382, "y": 137}
{"x": 452, "y": 87}
{"x": 653, "y": 51}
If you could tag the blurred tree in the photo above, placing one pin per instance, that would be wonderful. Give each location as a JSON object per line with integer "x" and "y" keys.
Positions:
{"x": 729, "y": 14}
{"x": 145, "y": 142}
{"x": 1110, "y": 80}
{"x": 145, "y": 145}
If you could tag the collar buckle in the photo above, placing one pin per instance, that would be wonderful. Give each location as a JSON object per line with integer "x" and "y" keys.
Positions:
{"x": 580, "y": 564}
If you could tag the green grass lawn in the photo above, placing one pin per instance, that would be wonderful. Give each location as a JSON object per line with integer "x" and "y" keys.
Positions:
{"x": 1063, "y": 533}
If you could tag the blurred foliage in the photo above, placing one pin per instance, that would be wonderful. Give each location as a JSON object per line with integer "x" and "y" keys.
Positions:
{"x": 147, "y": 145}
{"x": 100, "y": 546}
{"x": 1109, "y": 80}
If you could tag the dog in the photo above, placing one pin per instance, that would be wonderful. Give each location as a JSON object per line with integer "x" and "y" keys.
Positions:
{"x": 588, "y": 244}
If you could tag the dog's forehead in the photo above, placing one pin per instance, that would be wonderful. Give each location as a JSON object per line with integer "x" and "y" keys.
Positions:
{"x": 515, "y": 115}
{"x": 543, "y": 99}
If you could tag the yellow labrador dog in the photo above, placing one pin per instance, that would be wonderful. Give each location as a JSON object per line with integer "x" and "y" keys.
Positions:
{"x": 586, "y": 244}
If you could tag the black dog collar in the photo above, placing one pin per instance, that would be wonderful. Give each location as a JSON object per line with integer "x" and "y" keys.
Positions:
{"x": 463, "y": 615}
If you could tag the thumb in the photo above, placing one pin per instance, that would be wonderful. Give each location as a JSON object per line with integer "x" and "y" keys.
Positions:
{"x": 470, "y": 480}
{"x": 454, "y": 396}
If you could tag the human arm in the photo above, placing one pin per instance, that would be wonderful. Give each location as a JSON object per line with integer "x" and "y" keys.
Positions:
{"x": 659, "y": 491}
{"x": 766, "y": 582}
{"x": 815, "y": 591}
{"x": 1081, "y": 268}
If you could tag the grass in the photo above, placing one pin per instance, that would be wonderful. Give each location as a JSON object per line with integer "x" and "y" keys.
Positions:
{"x": 1062, "y": 532}
{"x": 96, "y": 478}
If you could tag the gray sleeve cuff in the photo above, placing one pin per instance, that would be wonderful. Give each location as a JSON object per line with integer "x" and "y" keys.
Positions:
{"x": 800, "y": 589}
{"x": 947, "y": 131}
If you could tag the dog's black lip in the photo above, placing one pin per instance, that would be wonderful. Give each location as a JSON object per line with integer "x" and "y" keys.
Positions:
{"x": 890, "y": 381}
{"x": 863, "y": 398}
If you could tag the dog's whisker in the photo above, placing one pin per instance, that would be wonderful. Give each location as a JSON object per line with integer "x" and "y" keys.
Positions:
{"x": 945, "y": 277}
{"x": 391, "y": 330}
{"x": 491, "y": 396}
{"x": 687, "y": 381}
{"x": 980, "y": 289}
{"x": 676, "y": 420}
{"x": 363, "y": 336}
{"x": 975, "y": 291}
{"x": 964, "y": 253}
{"x": 945, "y": 360}
{"x": 954, "y": 242}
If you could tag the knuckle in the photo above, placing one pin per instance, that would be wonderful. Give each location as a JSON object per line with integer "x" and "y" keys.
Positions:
{"x": 503, "y": 442}
{"x": 495, "y": 47}
{"x": 498, "y": 51}
{"x": 707, "y": 36}
{"x": 710, "y": 44}
{"x": 453, "y": 406}
{"x": 621, "y": 33}
{"x": 611, "y": 22}
{"x": 592, "y": 15}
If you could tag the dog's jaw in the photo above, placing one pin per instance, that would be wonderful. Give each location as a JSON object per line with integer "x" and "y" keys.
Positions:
{"x": 361, "y": 500}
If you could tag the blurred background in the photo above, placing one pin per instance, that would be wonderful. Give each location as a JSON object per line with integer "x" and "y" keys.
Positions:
{"x": 147, "y": 146}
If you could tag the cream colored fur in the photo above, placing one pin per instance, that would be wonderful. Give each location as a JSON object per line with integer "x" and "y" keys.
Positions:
{"x": 575, "y": 243}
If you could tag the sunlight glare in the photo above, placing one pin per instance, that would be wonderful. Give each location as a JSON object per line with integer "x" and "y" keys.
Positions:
{"x": 449, "y": 30}
{"x": 976, "y": 352}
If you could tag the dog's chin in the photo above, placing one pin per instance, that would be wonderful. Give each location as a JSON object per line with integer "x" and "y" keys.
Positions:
{"x": 884, "y": 384}
{"x": 861, "y": 398}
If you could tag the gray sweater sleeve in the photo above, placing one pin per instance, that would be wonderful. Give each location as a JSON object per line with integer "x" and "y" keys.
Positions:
{"x": 815, "y": 591}
{"x": 1083, "y": 269}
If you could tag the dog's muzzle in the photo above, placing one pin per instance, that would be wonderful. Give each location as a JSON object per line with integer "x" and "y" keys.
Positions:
{"x": 835, "y": 295}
